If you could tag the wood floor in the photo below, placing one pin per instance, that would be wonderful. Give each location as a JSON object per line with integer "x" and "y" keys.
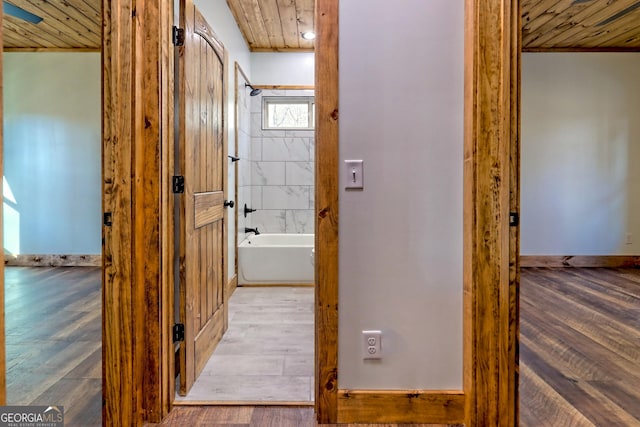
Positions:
{"x": 580, "y": 350}
{"x": 580, "y": 356}
{"x": 54, "y": 340}
{"x": 580, "y": 347}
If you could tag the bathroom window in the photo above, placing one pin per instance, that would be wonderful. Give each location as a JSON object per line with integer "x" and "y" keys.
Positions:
{"x": 293, "y": 112}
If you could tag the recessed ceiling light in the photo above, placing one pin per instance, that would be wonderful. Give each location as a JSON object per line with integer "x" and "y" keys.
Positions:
{"x": 308, "y": 35}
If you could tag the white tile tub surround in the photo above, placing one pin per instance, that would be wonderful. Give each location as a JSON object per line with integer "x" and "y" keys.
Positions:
{"x": 280, "y": 175}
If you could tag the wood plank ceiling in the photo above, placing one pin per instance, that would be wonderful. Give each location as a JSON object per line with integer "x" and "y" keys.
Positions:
{"x": 274, "y": 25}
{"x": 66, "y": 24}
{"x": 549, "y": 25}
{"x": 277, "y": 25}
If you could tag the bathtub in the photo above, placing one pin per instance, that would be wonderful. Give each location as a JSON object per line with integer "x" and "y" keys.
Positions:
{"x": 276, "y": 259}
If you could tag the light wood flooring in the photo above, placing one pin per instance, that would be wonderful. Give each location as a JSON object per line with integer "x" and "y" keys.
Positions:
{"x": 54, "y": 340}
{"x": 266, "y": 355}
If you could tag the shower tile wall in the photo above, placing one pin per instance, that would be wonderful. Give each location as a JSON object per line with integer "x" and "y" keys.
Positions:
{"x": 244, "y": 152}
{"x": 281, "y": 174}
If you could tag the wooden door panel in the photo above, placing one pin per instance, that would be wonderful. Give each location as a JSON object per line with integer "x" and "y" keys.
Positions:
{"x": 203, "y": 217}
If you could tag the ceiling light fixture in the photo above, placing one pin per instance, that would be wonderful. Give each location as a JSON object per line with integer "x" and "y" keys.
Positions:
{"x": 308, "y": 35}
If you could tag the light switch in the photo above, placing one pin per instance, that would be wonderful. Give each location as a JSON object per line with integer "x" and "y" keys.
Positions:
{"x": 354, "y": 177}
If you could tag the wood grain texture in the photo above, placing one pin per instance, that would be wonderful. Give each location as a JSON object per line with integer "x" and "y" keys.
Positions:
{"x": 580, "y": 333}
{"x": 579, "y": 261}
{"x": 253, "y": 416}
{"x": 118, "y": 388}
{"x": 400, "y": 406}
{"x": 73, "y": 260}
{"x": 326, "y": 205}
{"x": 488, "y": 312}
{"x": 274, "y": 25}
{"x": 68, "y": 24}
{"x": 514, "y": 232}
{"x": 203, "y": 162}
{"x": 54, "y": 340}
{"x": 135, "y": 104}
{"x": 575, "y": 25}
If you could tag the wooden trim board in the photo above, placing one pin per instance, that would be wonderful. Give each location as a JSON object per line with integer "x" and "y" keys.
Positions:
{"x": 580, "y": 261}
{"x": 400, "y": 406}
{"x": 490, "y": 343}
{"x": 27, "y": 260}
{"x": 326, "y": 211}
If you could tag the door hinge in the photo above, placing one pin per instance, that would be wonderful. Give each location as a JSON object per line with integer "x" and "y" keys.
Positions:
{"x": 178, "y": 184}
{"x": 178, "y": 36}
{"x": 107, "y": 219}
{"x": 178, "y": 332}
{"x": 514, "y": 219}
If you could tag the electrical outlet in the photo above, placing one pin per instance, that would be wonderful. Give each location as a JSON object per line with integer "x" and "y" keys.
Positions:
{"x": 629, "y": 239}
{"x": 372, "y": 344}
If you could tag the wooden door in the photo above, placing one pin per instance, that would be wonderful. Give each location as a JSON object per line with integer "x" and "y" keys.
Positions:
{"x": 203, "y": 219}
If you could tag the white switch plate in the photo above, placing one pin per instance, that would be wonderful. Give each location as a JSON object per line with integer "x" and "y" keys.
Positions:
{"x": 354, "y": 178}
{"x": 372, "y": 344}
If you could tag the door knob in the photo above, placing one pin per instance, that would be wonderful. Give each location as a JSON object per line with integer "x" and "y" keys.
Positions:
{"x": 229, "y": 203}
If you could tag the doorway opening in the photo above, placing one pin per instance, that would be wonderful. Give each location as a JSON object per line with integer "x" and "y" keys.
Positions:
{"x": 52, "y": 231}
{"x": 580, "y": 204}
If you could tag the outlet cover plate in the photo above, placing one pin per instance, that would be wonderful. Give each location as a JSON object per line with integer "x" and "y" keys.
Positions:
{"x": 372, "y": 344}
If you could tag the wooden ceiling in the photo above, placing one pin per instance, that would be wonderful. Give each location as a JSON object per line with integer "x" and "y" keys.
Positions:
{"x": 580, "y": 25}
{"x": 274, "y": 25}
{"x": 277, "y": 25}
{"x": 66, "y": 24}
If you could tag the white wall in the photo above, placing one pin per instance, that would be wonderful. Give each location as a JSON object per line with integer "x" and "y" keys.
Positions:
{"x": 580, "y": 140}
{"x": 52, "y": 153}
{"x": 220, "y": 18}
{"x": 283, "y": 68}
{"x": 401, "y": 111}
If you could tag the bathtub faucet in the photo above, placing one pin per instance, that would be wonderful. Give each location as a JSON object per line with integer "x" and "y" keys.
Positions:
{"x": 252, "y": 230}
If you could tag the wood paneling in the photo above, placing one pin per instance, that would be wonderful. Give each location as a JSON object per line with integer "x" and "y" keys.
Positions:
{"x": 580, "y": 25}
{"x": 208, "y": 207}
{"x": 326, "y": 203}
{"x": 579, "y": 261}
{"x": 136, "y": 100}
{"x": 66, "y": 24}
{"x": 274, "y": 25}
{"x": 410, "y": 407}
{"x": 74, "y": 260}
{"x": 489, "y": 357}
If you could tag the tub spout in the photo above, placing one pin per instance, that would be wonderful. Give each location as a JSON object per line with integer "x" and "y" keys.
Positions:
{"x": 252, "y": 230}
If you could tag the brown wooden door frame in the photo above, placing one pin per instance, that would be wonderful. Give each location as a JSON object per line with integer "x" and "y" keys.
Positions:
{"x": 138, "y": 249}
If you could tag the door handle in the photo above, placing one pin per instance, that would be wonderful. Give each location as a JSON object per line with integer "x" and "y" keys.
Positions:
{"x": 229, "y": 203}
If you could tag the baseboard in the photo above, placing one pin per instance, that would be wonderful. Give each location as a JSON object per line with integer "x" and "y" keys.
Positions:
{"x": 400, "y": 406}
{"x": 30, "y": 260}
{"x": 232, "y": 284}
{"x": 579, "y": 261}
{"x": 275, "y": 285}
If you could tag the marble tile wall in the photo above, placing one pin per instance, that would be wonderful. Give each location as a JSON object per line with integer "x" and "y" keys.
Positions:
{"x": 244, "y": 152}
{"x": 280, "y": 174}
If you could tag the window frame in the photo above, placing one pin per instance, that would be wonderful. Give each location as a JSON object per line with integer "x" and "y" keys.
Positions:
{"x": 300, "y": 100}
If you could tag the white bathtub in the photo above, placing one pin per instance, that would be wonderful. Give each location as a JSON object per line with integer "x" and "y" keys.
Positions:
{"x": 276, "y": 259}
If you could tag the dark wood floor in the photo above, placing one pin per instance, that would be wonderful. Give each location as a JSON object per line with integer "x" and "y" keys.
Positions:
{"x": 580, "y": 347}
{"x": 54, "y": 340}
{"x": 580, "y": 350}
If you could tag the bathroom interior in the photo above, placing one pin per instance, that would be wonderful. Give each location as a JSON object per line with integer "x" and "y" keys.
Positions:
{"x": 267, "y": 352}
